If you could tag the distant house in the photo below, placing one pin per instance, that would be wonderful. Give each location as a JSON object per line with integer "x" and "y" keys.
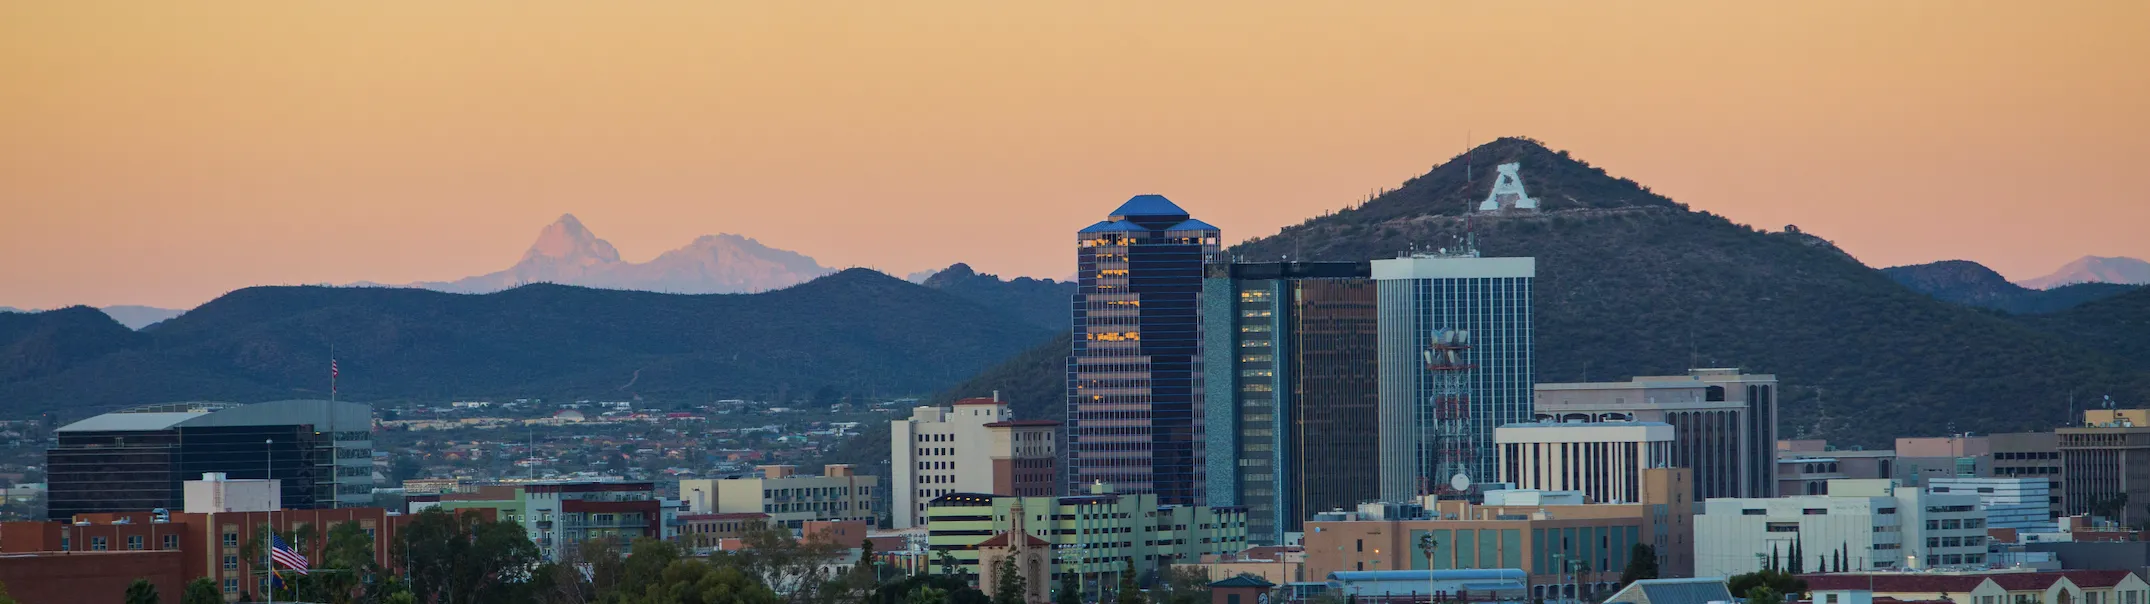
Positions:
{"x": 1673, "y": 591}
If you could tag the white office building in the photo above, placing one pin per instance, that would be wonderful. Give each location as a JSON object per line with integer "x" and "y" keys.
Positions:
{"x": 973, "y": 446}
{"x": 1862, "y": 524}
{"x": 1456, "y": 360}
{"x": 1603, "y": 460}
{"x": 2017, "y": 503}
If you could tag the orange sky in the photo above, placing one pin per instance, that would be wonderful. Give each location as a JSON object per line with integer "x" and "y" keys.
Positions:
{"x": 164, "y": 153}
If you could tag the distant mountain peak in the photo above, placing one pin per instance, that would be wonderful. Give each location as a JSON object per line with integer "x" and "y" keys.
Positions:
{"x": 569, "y": 253}
{"x": 567, "y": 239}
{"x": 2095, "y": 269}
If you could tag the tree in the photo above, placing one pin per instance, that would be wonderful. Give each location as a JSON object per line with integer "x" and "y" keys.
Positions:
{"x": 1641, "y": 564}
{"x": 1780, "y": 582}
{"x": 1764, "y": 595}
{"x": 349, "y": 552}
{"x": 406, "y": 467}
{"x": 1129, "y": 592}
{"x": 1184, "y": 585}
{"x": 6, "y": 599}
{"x": 799, "y": 569}
{"x": 202, "y": 591}
{"x": 1799, "y": 559}
{"x": 459, "y": 558}
{"x": 1009, "y": 586}
{"x": 141, "y": 591}
{"x": 926, "y": 594}
{"x": 1070, "y": 588}
{"x": 866, "y": 575}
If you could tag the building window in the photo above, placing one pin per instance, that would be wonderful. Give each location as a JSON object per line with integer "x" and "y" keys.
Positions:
{"x": 97, "y": 544}
{"x": 231, "y": 563}
{"x": 231, "y": 539}
{"x": 231, "y": 586}
{"x": 171, "y": 542}
{"x": 134, "y": 542}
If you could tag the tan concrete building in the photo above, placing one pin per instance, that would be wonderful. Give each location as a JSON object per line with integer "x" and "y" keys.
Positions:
{"x": 2105, "y": 464}
{"x": 1542, "y": 540}
{"x": 973, "y": 446}
{"x": 789, "y": 498}
{"x": 2030, "y": 455}
{"x": 1724, "y": 422}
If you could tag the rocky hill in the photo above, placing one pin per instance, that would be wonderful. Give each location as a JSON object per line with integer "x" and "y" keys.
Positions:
{"x": 858, "y": 330}
{"x": 1042, "y": 302}
{"x": 1972, "y": 284}
{"x": 1632, "y": 283}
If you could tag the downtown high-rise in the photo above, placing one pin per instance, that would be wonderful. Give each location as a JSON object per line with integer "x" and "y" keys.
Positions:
{"x": 1292, "y": 391}
{"x": 1456, "y": 361}
{"x": 1135, "y": 417}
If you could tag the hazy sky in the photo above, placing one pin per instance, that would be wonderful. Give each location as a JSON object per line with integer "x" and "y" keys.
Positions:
{"x": 164, "y": 153}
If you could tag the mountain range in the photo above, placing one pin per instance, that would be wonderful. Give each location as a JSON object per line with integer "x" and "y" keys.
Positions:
{"x": 857, "y": 331}
{"x": 1972, "y": 284}
{"x": 133, "y": 317}
{"x": 1633, "y": 283}
{"x": 567, "y": 253}
{"x": 2095, "y": 269}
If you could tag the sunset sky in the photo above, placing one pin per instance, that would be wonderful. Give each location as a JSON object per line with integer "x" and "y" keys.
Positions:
{"x": 165, "y": 153}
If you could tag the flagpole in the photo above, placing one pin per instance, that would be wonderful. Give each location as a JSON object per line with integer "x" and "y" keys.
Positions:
{"x": 268, "y": 454}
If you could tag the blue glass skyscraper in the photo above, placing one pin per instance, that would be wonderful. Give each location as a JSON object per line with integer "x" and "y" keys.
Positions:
{"x": 1134, "y": 418}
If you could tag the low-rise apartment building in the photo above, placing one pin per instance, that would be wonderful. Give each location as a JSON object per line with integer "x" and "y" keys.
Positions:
{"x": 1093, "y": 534}
{"x": 1861, "y": 524}
{"x": 789, "y": 498}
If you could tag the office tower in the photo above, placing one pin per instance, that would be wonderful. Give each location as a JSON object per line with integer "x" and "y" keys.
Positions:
{"x": 1724, "y": 422}
{"x": 1455, "y": 361}
{"x": 1603, "y": 460}
{"x": 1292, "y": 391}
{"x": 1134, "y": 374}
{"x": 974, "y": 446}
{"x": 138, "y": 459}
{"x": 2105, "y": 464}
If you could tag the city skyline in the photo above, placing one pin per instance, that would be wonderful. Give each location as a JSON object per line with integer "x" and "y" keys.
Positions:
{"x": 166, "y": 155}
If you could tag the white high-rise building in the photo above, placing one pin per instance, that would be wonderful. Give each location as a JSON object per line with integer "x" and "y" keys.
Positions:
{"x": 1603, "y": 460}
{"x": 973, "y": 447}
{"x": 1861, "y": 525}
{"x": 1455, "y": 360}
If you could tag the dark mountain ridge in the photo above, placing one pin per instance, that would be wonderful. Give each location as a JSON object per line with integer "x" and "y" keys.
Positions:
{"x": 1972, "y": 284}
{"x": 1041, "y": 302}
{"x": 857, "y": 330}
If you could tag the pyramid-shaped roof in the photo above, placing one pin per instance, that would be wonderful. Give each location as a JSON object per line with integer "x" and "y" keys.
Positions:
{"x": 1192, "y": 225}
{"x": 1147, "y": 206}
{"x": 1111, "y": 226}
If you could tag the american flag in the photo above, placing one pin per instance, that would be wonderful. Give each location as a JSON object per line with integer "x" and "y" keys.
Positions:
{"x": 332, "y": 367}
{"x": 282, "y": 553}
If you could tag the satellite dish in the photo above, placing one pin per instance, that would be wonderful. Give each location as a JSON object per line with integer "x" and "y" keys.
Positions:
{"x": 1460, "y": 482}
